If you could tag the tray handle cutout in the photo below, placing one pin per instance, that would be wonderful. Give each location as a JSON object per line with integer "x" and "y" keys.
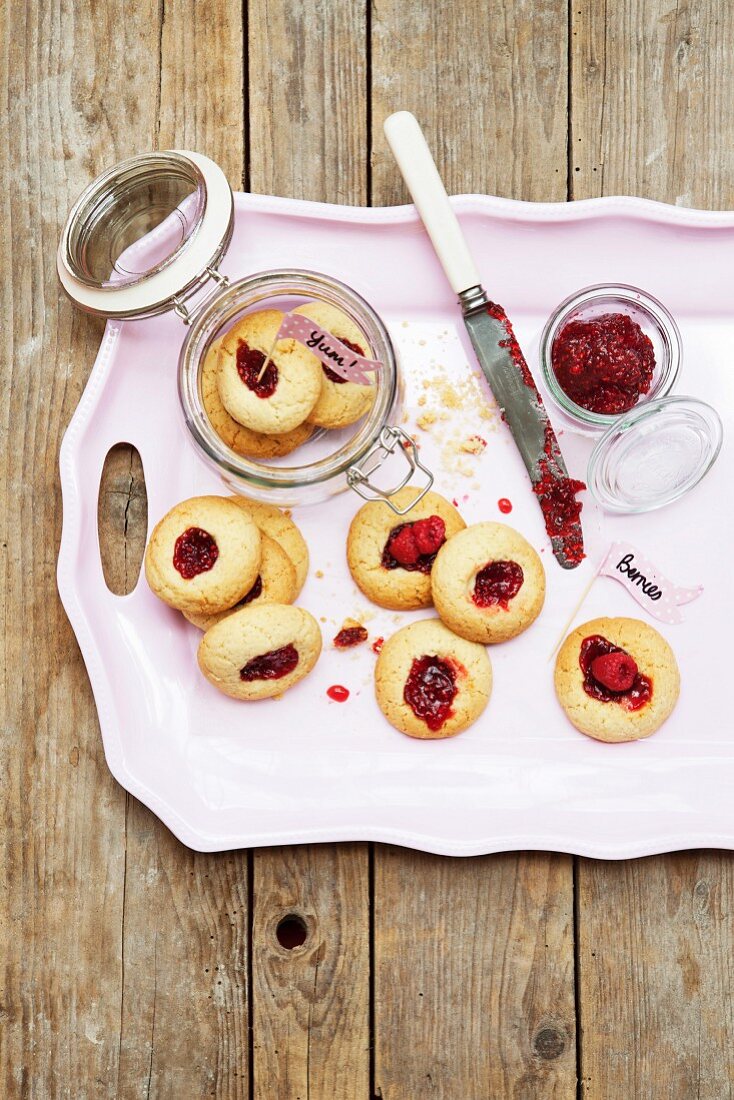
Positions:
{"x": 122, "y": 518}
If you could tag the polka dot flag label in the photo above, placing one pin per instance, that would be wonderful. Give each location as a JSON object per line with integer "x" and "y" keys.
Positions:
{"x": 645, "y": 583}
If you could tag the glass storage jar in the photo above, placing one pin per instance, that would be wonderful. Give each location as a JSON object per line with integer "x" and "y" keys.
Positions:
{"x": 145, "y": 238}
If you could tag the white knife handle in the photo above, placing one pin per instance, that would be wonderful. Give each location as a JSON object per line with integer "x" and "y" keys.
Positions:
{"x": 408, "y": 143}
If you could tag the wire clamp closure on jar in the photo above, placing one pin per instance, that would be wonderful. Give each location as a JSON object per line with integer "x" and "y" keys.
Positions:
{"x": 390, "y": 438}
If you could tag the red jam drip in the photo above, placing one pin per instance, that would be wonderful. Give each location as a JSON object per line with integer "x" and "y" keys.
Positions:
{"x": 430, "y": 690}
{"x": 350, "y": 636}
{"x": 497, "y": 583}
{"x": 504, "y": 505}
{"x": 249, "y": 364}
{"x": 271, "y": 666}
{"x": 633, "y": 698}
{"x": 557, "y": 497}
{"x": 331, "y": 374}
{"x": 195, "y": 552}
{"x": 338, "y": 693}
{"x": 604, "y": 364}
{"x": 255, "y": 591}
{"x": 413, "y": 546}
{"x": 378, "y": 644}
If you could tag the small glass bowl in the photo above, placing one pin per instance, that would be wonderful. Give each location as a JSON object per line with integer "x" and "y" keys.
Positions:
{"x": 654, "y": 454}
{"x": 325, "y": 464}
{"x": 654, "y": 320}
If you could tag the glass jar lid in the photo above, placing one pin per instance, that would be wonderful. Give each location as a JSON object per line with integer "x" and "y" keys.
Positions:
{"x": 180, "y": 202}
{"x": 654, "y": 454}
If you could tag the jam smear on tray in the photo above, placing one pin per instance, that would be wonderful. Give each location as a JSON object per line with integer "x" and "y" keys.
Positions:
{"x": 611, "y": 674}
{"x": 350, "y": 636}
{"x": 413, "y": 546}
{"x": 331, "y": 374}
{"x": 603, "y": 364}
{"x": 271, "y": 666}
{"x": 497, "y": 583}
{"x": 378, "y": 644}
{"x": 504, "y": 505}
{"x": 249, "y": 364}
{"x": 194, "y": 552}
{"x": 430, "y": 690}
{"x": 338, "y": 693}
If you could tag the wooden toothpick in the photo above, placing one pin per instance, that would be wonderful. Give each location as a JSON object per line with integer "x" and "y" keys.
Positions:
{"x": 269, "y": 357}
{"x": 574, "y": 613}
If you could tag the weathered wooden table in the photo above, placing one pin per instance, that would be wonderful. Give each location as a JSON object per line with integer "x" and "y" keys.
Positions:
{"x": 132, "y": 967}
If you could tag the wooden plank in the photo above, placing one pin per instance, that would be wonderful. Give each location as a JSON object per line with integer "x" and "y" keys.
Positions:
{"x": 659, "y": 120}
{"x": 656, "y": 938}
{"x": 184, "y": 1014}
{"x": 488, "y": 82}
{"x": 311, "y": 1002}
{"x": 473, "y": 977}
{"x": 656, "y": 948}
{"x": 68, "y": 80}
{"x": 308, "y": 110}
{"x": 307, "y": 96}
{"x": 474, "y": 958}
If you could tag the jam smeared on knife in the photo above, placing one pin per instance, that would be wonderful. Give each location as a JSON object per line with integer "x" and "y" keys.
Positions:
{"x": 497, "y": 583}
{"x": 430, "y": 690}
{"x": 249, "y": 364}
{"x": 611, "y": 674}
{"x": 194, "y": 552}
{"x": 271, "y": 666}
{"x": 331, "y": 374}
{"x": 604, "y": 364}
{"x": 413, "y": 546}
{"x": 555, "y": 490}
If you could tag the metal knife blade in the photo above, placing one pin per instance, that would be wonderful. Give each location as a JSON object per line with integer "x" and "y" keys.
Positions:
{"x": 512, "y": 384}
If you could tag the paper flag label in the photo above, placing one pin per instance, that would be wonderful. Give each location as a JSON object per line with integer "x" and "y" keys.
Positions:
{"x": 332, "y": 352}
{"x": 646, "y": 583}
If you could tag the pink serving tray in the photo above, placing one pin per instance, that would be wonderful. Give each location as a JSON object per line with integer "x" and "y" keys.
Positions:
{"x": 227, "y": 775}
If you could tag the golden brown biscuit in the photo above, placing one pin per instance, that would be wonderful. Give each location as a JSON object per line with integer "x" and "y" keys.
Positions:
{"x": 260, "y": 651}
{"x": 341, "y": 402}
{"x": 429, "y": 683}
{"x": 630, "y": 701}
{"x": 283, "y": 396}
{"x": 392, "y": 573}
{"x": 203, "y": 556}
{"x": 281, "y": 528}
{"x": 488, "y": 583}
{"x": 235, "y": 435}
{"x": 275, "y": 583}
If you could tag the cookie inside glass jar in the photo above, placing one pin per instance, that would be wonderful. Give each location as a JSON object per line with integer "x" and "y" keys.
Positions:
{"x": 277, "y": 376}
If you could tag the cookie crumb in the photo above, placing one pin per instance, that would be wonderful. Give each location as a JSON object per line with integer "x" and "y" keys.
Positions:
{"x": 425, "y": 421}
{"x": 351, "y": 634}
{"x": 319, "y": 573}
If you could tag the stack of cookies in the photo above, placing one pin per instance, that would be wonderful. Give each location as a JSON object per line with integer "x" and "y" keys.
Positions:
{"x": 265, "y": 397}
{"x": 234, "y": 567}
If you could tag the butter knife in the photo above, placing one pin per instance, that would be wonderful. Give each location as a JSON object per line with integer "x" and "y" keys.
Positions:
{"x": 494, "y": 342}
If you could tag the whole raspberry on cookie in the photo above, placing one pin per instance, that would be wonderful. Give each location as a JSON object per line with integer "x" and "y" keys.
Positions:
{"x": 391, "y": 556}
{"x": 429, "y": 683}
{"x": 617, "y": 679}
{"x": 268, "y": 393}
{"x": 260, "y": 651}
{"x": 203, "y": 556}
{"x": 488, "y": 583}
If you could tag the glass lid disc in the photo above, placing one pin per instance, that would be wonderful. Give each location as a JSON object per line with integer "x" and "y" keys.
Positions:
{"x": 144, "y": 233}
{"x": 654, "y": 454}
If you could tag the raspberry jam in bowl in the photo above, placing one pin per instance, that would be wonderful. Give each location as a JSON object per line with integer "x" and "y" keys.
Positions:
{"x": 606, "y": 350}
